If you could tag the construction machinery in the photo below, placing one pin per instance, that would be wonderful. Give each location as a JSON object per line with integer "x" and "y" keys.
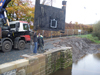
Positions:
{"x": 13, "y": 34}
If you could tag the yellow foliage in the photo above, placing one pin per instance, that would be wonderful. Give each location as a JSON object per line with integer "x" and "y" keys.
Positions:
{"x": 22, "y": 10}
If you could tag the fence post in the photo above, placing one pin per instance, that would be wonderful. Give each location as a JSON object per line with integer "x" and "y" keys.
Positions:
{"x": 73, "y": 32}
{"x": 43, "y": 32}
{"x": 51, "y": 34}
{"x": 60, "y": 34}
{"x": 67, "y": 32}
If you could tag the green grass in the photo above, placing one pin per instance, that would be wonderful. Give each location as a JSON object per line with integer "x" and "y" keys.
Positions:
{"x": 90, "y": 37}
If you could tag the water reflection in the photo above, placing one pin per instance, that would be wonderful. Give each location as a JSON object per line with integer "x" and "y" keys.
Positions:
{"x": 66, "y": 71}
{"x": 97, "y": 56}
{"x": 76, "y": 61}
{"x": 87, "y": 65}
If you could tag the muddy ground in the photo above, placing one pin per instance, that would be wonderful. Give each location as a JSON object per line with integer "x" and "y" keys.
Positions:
{"x": 80, "y": 46}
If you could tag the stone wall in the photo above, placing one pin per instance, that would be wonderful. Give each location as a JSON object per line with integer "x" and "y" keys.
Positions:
{"x": 40, "y": 64}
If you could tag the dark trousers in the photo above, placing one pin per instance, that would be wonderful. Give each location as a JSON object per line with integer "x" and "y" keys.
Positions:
{"x": 40, "y": 47}
{"x": 35, "y": 47}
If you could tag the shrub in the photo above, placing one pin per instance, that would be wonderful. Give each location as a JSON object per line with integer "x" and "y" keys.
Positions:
{"x": 96, "y": 29}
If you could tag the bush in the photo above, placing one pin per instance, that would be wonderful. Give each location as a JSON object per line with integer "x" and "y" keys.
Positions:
{"x": 96, "y": 30}
{"x": 94, "y": 34}
{"x": 96, "y": 38}
{"x": 92, "y": 38}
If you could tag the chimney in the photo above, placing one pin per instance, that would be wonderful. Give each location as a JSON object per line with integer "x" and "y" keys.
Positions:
{"x": 37, "y": 2}
{"x": 64, "y": 6}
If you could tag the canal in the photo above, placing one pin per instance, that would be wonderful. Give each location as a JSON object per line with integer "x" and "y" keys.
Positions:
{"x": 86, "y": 65}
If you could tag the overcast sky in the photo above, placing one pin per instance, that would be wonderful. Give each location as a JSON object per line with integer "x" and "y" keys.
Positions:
{"x": 81, "y": 11}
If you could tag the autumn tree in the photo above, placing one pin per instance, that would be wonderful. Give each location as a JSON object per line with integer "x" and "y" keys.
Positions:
{"x": 20, "y": 10}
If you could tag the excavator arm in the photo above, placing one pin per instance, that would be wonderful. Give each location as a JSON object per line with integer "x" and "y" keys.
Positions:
{"x": 3, "y": 5}
{"x": 6, "y": 3}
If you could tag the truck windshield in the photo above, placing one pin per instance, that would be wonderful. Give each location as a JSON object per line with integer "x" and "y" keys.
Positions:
{"x": 12, "y": 25}
{"x": 25, "y": 26}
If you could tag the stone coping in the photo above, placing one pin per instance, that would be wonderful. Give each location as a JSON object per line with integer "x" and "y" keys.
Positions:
{"x": 13, "y": 65}
{"x": 28, "y": 59}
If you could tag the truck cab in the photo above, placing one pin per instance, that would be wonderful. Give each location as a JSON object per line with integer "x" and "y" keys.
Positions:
{"x": 20, "y": 29}
{"x": 16, "y": 37}
{"x": 19, "y": 26}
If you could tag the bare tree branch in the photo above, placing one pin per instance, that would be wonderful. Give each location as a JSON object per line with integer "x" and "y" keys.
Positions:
{"x": 48, "y": 2}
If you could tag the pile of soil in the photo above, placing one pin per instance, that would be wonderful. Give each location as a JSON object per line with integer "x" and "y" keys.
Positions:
{"x": 80, "y": 46}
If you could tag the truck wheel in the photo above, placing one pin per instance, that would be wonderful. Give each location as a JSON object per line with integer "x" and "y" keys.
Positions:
{"x": 21, "y": 44}
{"x": 6, "y": 46}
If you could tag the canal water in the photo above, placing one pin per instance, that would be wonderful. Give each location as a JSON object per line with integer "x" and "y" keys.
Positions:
{"x": 86, "y": 65}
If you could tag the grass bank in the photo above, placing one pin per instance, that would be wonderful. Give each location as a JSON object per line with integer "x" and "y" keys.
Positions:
{"x": 90, "y": 37}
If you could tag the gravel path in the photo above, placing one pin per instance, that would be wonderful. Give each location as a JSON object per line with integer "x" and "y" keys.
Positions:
{"x": 15, "y": 54}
